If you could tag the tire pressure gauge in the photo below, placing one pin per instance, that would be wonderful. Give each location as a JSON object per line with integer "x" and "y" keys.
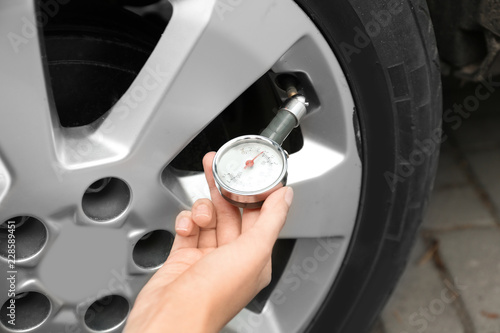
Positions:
{"x": 249, "y": 168}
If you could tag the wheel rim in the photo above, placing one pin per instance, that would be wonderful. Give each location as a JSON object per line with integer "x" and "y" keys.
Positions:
{"x": 129, "y": 146}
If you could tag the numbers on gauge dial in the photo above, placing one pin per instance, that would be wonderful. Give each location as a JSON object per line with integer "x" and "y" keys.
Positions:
{"x": 250, "y": 167}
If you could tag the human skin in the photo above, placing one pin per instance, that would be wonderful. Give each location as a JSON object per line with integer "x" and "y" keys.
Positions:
{"x": 219, "y": 261}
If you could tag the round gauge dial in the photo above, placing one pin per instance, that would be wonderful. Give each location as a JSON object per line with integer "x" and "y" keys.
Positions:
{"x": 249, "y": 165}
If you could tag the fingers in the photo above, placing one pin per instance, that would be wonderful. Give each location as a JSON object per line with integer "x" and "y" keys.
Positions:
{"x": 228, "y": 216}
{"x": 205, "y": 216}
{"x": 273, "y": 215}
{"x": 217, "y": 222}
{"x": 250, "y": 216}
{"x": 262, "y": 235}
{"x": 184, "y": 224}
{"x": 196, "y": 228}
{"x": 187, "y": 231}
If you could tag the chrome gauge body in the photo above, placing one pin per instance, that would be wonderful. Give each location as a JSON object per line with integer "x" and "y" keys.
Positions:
{"x": 248, "y": 169}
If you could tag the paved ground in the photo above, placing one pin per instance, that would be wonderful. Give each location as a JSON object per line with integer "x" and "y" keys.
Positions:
{"x": 452, "y": 282}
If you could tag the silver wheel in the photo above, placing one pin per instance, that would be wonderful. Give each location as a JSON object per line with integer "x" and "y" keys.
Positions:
{"x": 90, "y": 260}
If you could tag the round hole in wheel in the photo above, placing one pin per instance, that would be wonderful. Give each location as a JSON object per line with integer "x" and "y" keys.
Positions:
{"x": 107, "y": 313}
{"x": 106, "y": 199}
{"x": 153, "y": 249}
{"x": 31, "y": 310}
{"x": 27, "y": 234}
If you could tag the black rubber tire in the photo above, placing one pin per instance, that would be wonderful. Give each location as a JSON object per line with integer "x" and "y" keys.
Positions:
{"x": 395, "y": 80}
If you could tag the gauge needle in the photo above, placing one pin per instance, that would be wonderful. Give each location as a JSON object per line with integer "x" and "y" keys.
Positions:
{"x": 249, "y": 163}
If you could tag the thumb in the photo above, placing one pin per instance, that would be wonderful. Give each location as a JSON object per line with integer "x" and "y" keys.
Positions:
{"x": 273, "y": 214}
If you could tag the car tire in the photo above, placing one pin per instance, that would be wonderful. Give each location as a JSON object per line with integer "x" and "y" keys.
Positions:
{"x": 388, "y": 51}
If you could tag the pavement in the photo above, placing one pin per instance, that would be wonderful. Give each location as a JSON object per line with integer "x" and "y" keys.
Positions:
{"x": 452, "y": 280}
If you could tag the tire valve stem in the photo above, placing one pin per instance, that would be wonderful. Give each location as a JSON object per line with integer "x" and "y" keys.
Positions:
{"x": 288, "y": 116}
{"x": 291, "y": 90}
{"x": 288, "y": 83}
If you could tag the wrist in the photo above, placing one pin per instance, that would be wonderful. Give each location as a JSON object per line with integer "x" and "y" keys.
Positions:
{"x": 187, "y": 311}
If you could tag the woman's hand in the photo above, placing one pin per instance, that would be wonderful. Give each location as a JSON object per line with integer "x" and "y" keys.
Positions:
{"x": 219, "y": 261}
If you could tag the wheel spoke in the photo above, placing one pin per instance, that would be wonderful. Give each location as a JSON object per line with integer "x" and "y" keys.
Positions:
{"x": 155, "y": 214}
{"x": 28, "y": 115}
{"x": 326, "y": 192}
{"x": 206, "y": 58}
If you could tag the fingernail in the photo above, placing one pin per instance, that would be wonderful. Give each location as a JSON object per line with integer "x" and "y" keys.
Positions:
{"x": 183, "y": 224}
{"x": 202, "y": 210}
{"x": 289, "y": 196}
